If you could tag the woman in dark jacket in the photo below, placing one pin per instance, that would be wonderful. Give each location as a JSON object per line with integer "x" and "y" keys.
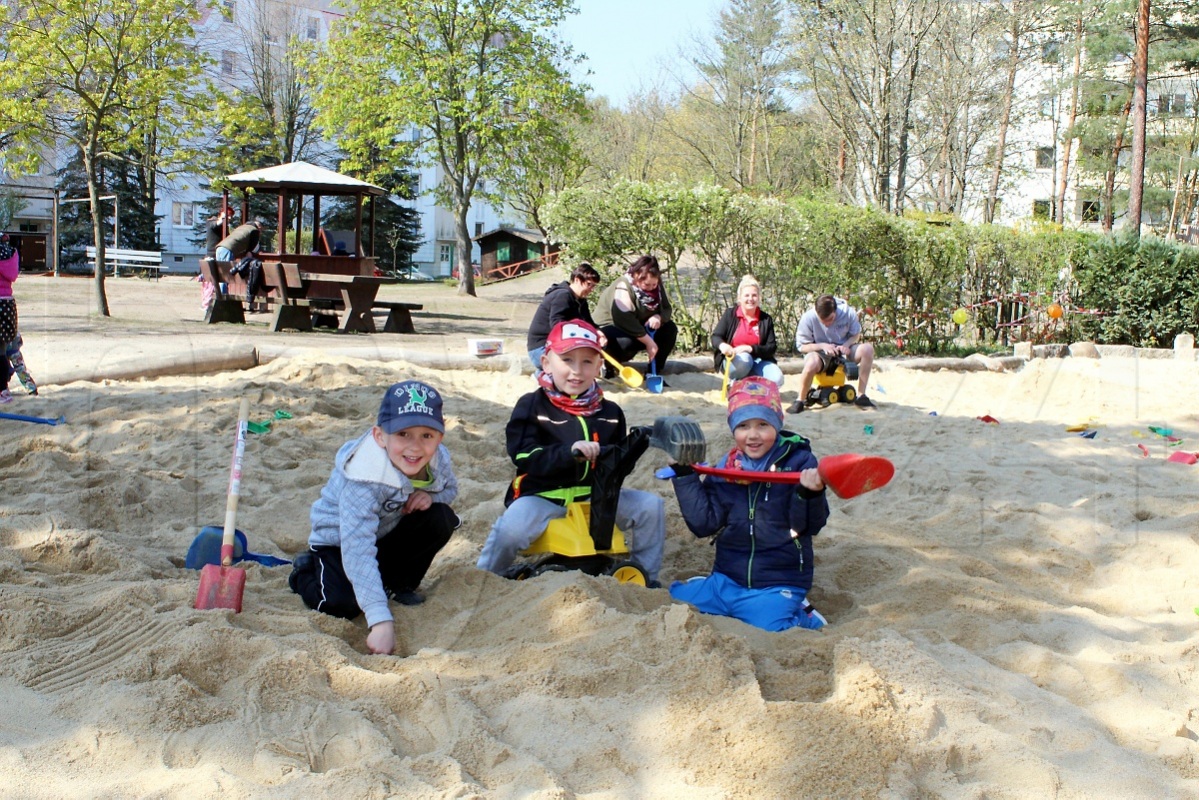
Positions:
{"x": 745, "y": 334}
{"x": 634, "y": 313}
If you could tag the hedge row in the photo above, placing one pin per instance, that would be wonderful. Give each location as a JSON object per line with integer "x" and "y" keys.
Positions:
{"x": 908, "y": 275}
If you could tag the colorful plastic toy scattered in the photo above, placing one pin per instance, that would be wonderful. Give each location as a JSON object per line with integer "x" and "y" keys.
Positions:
{"x": 1161, "y": 431}
{"x": 987, "y": 418}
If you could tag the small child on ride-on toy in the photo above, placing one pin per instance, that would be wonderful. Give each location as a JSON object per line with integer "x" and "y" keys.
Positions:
{"x": 554, "y": 437}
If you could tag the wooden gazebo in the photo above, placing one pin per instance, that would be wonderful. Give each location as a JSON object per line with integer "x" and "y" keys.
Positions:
{"x": 297, "y": 181}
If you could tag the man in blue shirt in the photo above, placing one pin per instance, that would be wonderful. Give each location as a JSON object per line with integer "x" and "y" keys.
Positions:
{"x": 830, "y": 329}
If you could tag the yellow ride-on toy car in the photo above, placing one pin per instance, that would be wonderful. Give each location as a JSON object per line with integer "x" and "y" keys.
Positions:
{"x": 587, "y": 538}
{"x": 567, "y": 544}
{"x": 829, "y": 386}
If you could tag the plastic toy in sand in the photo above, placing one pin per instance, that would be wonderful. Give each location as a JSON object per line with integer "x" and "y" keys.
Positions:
{"x": 1088, "y": 434}
{"x": 987, "y": 418}
{"x": 1144, "y": 451}
{"x": 1163, "y": 432}
{"x": 1182, "y": 457}
{"x": 265, "y": 426}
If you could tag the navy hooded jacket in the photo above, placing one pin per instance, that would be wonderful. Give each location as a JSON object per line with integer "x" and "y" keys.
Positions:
{"x": 753, "y": 522}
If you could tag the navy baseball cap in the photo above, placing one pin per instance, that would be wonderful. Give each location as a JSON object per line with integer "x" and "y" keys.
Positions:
{"x": 408, "y": 404}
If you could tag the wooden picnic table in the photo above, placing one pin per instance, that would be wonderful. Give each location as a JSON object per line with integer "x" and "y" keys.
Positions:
{"x": 358, "y": 293}
{"x": 299, "y": 295}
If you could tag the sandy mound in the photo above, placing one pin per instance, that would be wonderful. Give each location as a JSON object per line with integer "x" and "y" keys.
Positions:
{"x": 1011, "y": 617}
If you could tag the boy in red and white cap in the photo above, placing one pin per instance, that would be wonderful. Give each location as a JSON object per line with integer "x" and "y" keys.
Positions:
{"x": 554, "y": 436}
{"x": 763, "y": 569}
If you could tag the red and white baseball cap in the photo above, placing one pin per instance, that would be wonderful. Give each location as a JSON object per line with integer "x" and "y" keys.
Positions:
{"x": 571, "y": 335}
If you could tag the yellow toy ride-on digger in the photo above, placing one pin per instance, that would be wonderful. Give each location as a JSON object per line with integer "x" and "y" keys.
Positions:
{"x": 829, "y": 386}
{"x": 587, "y": 538}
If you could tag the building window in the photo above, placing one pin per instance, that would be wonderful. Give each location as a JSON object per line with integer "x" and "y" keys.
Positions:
{"x": 228, "y": 62}
{"x": 314, "y": 28}
{"x": 478, "y": 229}
{"x": 27, "y": 227}
{"x": 1044, "y": 158}
{"x": 227, "y": 9}
{"x": 503, "y": 251}
{"x": 447, "y": 254}
{"x": 1040, "y": 209}
{"x": 1050, "y": 52}
{"x": 183, "y": 215}
{"x": 1089, "y": 210}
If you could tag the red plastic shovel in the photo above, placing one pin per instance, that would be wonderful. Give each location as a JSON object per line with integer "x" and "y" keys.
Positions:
{"x": 848, "y": 474}
{"x": 222, "y": 586}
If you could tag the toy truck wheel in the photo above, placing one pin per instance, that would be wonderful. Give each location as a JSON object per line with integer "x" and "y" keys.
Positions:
{"x": 519, "y": 572}
{"x": 628, "y": 572}
{"x": 848, "y": 393}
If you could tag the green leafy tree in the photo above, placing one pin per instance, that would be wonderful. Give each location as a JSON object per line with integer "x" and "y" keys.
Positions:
{"x": 472, "y": 79}
{"x": 94, "y": 74}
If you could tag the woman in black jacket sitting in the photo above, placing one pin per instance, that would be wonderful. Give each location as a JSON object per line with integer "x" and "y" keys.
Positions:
{"x": 745, "y": 334}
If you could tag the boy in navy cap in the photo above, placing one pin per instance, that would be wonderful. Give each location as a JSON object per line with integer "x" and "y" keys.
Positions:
{"x": 554, "y": 436}
{"x": 382, "y": 516}
{"x": 763, "y": 569}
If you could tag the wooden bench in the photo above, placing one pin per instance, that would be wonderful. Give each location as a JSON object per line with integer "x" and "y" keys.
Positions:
{"x": 117, "y": 257}
{"x": 399, "y": 320}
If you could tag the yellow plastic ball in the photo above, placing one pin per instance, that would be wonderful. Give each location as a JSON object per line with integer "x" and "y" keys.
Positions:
{"x": 960, "y": 316}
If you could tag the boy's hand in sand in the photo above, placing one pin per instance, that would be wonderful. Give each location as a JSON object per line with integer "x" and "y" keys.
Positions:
{"x": 417, "y": 501}
{"x": 810, "y": 479}
{"x": 585, "y": 451}
{"x": 382, "y": 639}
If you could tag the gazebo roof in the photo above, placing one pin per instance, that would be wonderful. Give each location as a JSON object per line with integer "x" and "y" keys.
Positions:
{"x": 303, "y": 177}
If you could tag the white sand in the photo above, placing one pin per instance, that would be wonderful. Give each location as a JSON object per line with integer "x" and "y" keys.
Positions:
{"x": 1011, "y": 617}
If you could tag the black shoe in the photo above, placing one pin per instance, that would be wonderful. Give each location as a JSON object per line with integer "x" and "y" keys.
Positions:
{"x": 653, "y": 584}
{"x": 795, "y": 407}
{"x": 304, "y": 562}
{"x": 862, "y": 401}
{"x": 409, "y": 597}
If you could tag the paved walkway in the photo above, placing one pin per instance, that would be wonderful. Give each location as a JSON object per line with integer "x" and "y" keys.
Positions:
{"x": 157, "y": 326}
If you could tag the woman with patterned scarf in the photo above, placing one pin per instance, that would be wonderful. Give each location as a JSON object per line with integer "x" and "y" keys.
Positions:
{"x": 634, "y": 313}
{"x": 554, "y": 436}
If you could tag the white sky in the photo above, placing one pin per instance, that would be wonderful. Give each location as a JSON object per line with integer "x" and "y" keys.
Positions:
{"x": 630, "y": 44}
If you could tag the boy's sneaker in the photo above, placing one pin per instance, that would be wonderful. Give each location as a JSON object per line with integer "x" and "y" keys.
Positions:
{"x": 409, "y": 597}
{"x": 5, "y": 397}
{"x": 862, "y": 401}
{"x": 795, "y": 407}
{"x": 810, "y": 618}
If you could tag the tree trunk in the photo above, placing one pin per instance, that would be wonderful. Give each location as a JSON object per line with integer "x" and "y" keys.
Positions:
{"x": 1109, "y": 179}
{"x": 1068, "y": 145}
{"x": 1140, "y": 71}
{"x": 93, "y": 192}
{"x": 901, "y": 171}
{"x": 466, "y": 273}
{"x": 1005, "y": 117}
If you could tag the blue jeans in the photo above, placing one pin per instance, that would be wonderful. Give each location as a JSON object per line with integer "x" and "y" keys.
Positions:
{"x": 640, "y": 515}
{"x": 535, "y": 356}
{"x": 774, "y": 608}
{"x": 744, "y": 365}
{"x": 223, "y": 254}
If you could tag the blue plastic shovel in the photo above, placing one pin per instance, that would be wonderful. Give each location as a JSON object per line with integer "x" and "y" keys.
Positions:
{"x": 206, "y": 549}
{"x": 39, "y": 420}
{"x": 654, "y": 382}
